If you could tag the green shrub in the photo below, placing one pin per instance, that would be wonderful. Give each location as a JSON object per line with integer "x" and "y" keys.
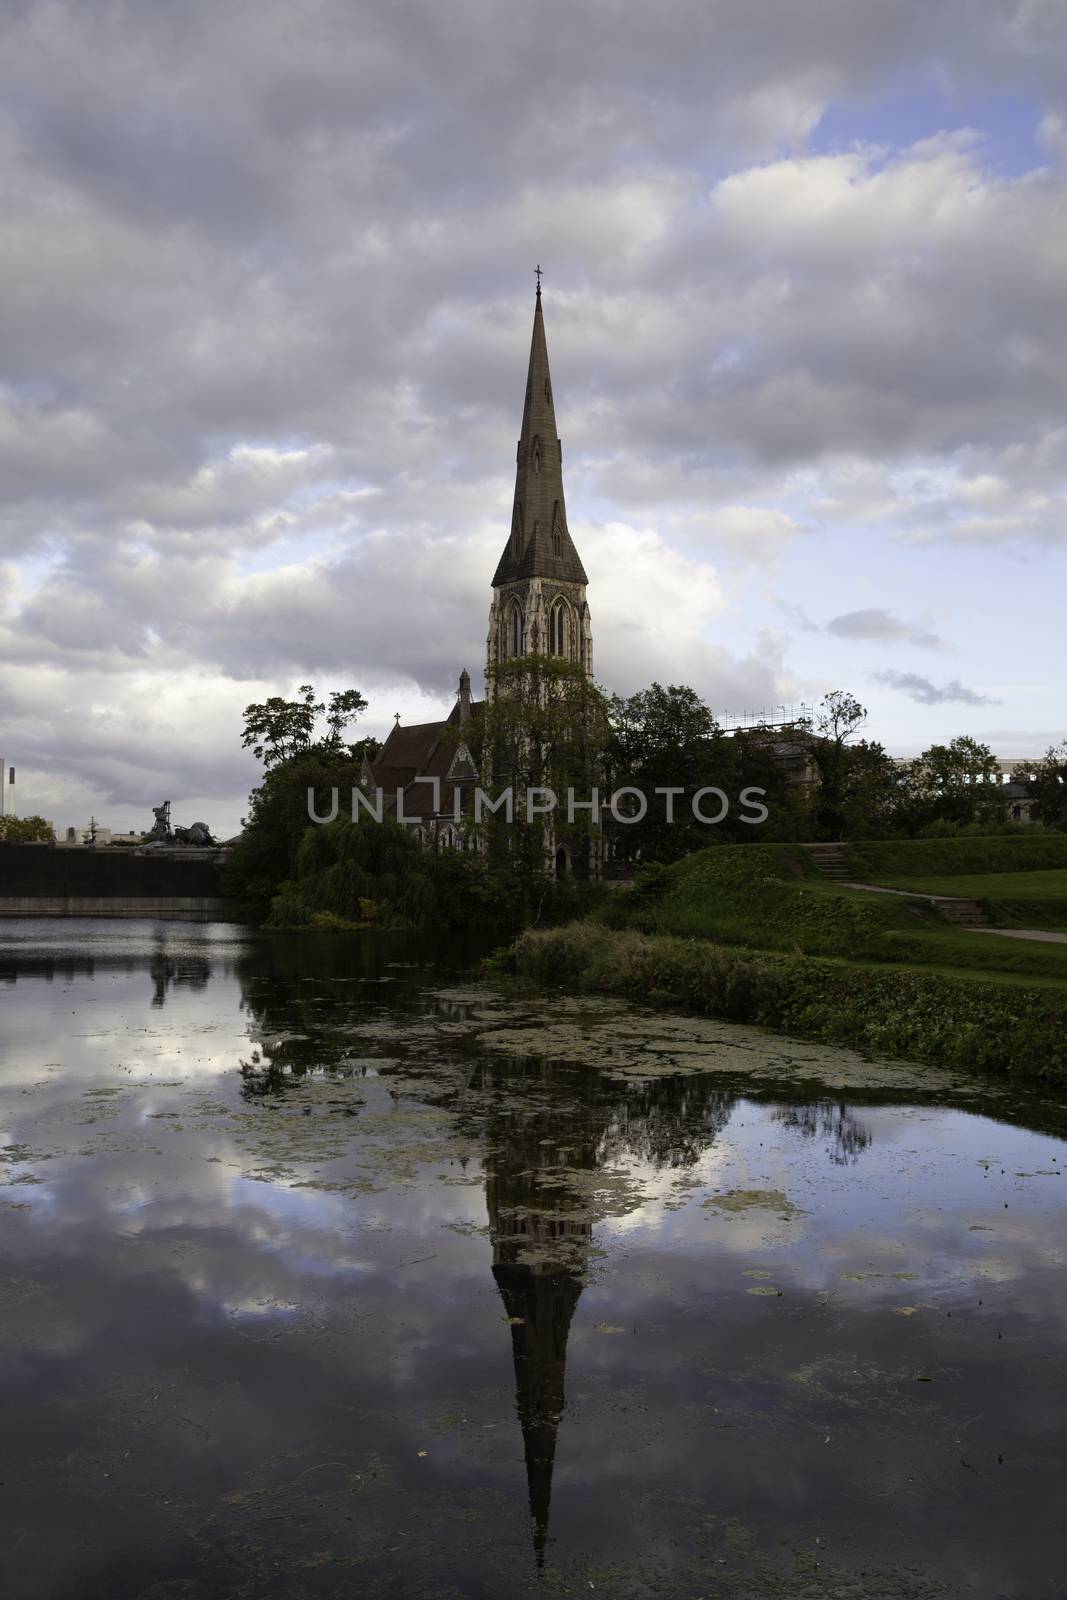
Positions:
{"x": 925, "y": 1016}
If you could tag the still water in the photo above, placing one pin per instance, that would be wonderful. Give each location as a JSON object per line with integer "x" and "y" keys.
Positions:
{"x": 327, "y": 1270}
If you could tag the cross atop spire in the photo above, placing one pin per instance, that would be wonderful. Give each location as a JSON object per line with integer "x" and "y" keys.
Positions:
{"x": 537, "y": 269}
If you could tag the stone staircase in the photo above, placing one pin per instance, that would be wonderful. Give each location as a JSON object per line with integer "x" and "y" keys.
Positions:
{"x": 830, "y": 858}
{"x": 964, "y": 913}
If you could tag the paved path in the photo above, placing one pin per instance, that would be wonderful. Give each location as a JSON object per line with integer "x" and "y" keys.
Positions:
{"x": 1043, "y": 935}
{"x": 909, "y": 894}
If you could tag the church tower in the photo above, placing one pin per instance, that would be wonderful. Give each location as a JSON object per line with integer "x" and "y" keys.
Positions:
{"x": 539, "y": 605}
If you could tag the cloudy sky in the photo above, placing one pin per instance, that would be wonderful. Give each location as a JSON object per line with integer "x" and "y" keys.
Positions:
{"x": 265, "y": 297}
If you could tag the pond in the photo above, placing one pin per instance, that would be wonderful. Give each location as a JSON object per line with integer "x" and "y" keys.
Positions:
{"x": 328, "y": 1269}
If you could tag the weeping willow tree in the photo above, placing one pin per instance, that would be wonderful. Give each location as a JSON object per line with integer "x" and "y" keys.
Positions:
{"x": 372, "y": 874}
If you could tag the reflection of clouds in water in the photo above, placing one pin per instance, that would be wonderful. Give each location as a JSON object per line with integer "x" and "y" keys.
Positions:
{"x": 996, "y": 1246}
{"x": 238, "y": 1246}
{"x": 663, "y": 1190}
{"x": 542, "y": 1193}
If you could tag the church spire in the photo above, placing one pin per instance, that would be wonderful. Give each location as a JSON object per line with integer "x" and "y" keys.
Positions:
{"x": 540, "y": 545}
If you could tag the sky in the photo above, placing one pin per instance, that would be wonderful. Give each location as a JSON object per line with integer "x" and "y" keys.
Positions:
{"x": 266, "y": 288}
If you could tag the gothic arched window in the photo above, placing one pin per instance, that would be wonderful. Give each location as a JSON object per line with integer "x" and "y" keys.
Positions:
{"x": 535, "y": 455}
{"x": 513, "y": 630}
{"x": 557, "y": 629}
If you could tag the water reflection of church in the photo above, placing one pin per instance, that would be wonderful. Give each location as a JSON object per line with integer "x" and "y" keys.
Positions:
{"x": 541, "y": 1236}
{"x": 548, "y": 1131}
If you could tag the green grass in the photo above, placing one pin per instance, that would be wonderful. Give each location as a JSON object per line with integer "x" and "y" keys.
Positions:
{"x": 768, "y": 897}
{"x": 763, "y": 897}
{"x": 1025, "y": 899}
{"x": 1035, "y": 885}
{"x": 980, "y": 954}
{"x": 882, "y": 860}
{"x": 757, "y": 933}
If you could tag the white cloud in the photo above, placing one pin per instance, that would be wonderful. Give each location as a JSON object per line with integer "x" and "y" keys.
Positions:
{"x": 264, "y": 351}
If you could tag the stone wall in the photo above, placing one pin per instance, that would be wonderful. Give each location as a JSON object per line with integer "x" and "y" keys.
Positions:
{"x": 39, "y": 880}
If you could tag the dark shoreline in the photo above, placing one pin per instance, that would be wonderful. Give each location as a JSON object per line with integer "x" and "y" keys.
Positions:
{"x": 957, "y": 1021}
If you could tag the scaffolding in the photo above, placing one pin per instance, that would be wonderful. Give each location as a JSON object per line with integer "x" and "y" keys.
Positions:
{"x": 777, "y": 717}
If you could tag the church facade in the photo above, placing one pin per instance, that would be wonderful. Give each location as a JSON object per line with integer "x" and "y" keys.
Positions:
{"x": 538, "y": 608}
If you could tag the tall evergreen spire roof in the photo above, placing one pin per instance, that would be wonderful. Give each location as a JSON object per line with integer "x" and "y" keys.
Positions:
{"x": 540, "y": 545}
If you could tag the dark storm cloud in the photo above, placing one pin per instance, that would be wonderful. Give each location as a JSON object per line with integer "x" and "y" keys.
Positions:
{"x": 926, "y": 693}
{"x": 249, "y": 222}
{"x": 262, "y": 328}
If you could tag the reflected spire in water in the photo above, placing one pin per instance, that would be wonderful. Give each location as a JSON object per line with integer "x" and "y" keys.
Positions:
{"x": 540, "y": 1305}
{"x": 549, "y": 1128}
{"x": 541, "y": 1234}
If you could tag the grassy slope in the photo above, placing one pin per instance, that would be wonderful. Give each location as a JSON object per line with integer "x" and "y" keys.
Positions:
{"x": 765, "y": 897}
{"x": 1013, "y": 899}
{"x": 1021, "y": 880}
{"x": 1036, "y": 885}
{"x": 982, "y": 956}
{"x": 768, "y": 897}
{"x": 882, "y": 860}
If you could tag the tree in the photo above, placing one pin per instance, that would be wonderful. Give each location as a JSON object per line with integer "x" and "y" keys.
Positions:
{"x": 545, "y": 725}
{"x": 282, "y": 735}
{"x": 1048, "y": 786}
{"x": 870, "y": 793}
{"x": 345, "y": 706}
{"x": 665, "y": 738}
{"x": 25, "y": 830}
{"x": 278, "y": 729}
{"x": 367, "y": 748}
{"x": 954, "y": 782}
{"x": 278, "y": 819}
{"x": 375, "y": 873}
{"x": 776, "y": 761}
{"x": 837, "y": 718}
{"x": 545, "y": 722}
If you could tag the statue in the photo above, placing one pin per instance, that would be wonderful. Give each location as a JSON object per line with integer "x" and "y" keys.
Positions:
{"x": 161, "y": 827}
{"x": 199, "y": 836}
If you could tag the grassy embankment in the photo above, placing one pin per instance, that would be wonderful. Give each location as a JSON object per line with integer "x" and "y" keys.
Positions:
{"x": 755, "y": 933}
{"x": 1020, "y": 882}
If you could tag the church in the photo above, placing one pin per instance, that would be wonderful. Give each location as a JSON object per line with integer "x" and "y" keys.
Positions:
{"x": 539, "y": 607}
